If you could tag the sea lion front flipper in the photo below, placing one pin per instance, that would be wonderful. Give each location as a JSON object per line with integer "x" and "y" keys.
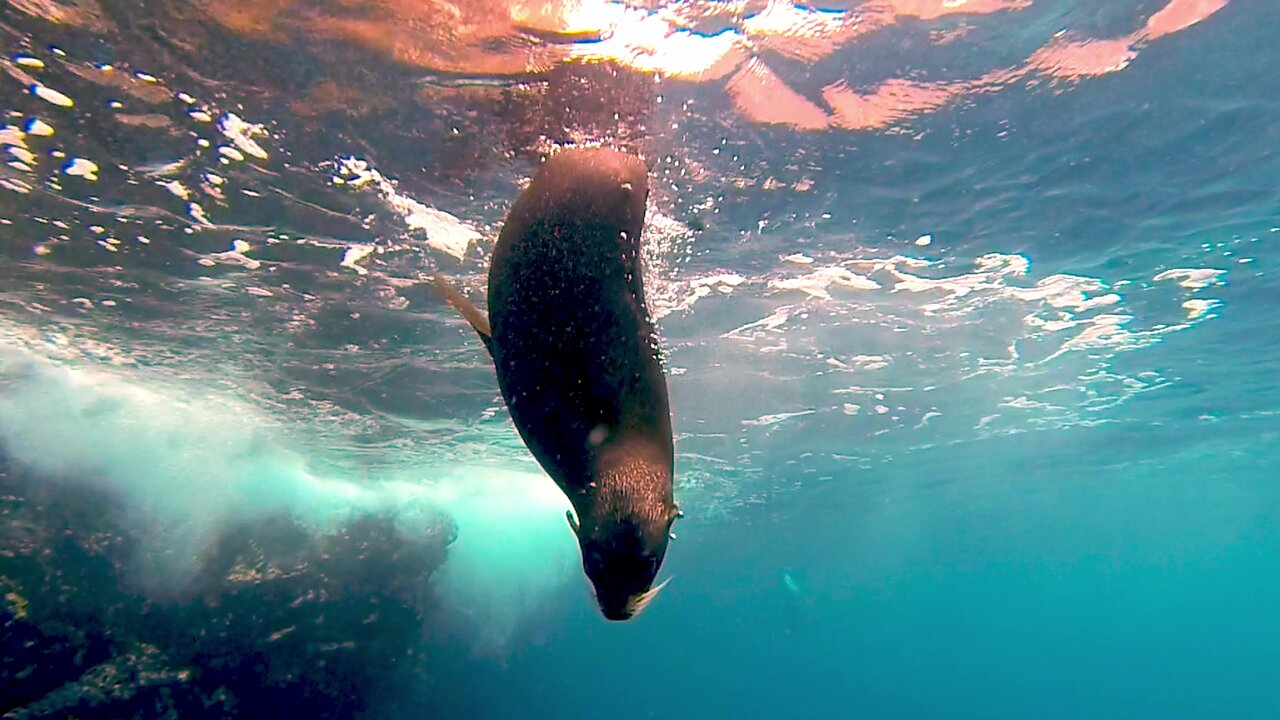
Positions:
{"x": 466, "y": 308}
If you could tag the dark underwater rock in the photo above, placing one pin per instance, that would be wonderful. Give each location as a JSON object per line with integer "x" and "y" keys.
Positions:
{"x": 280, "y": 620}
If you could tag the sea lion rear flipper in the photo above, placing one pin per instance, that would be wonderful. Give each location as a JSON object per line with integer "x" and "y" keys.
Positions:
{"x": 466, "y": 308}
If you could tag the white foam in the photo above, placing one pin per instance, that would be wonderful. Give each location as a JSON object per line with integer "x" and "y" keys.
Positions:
{"x": 235, "y": 256}
{"x": 242, "y": 133}
{"x": 81, "y": 167}
{"x": 1108, "y": 331}
{"x": 1004, "y": 264}
{"x": 974, "y": 331}
{"x": 354, "y": 255}
{"x": 776, "y": 418}
{"x": 11, "y": 135}
{"x": 39, "y": 128}
{"x": 444, "y": 231}
{"x": 22, "y": 154}
{"x": 48, "y": 94}
{"x": 1067, "y": 291}
{"x": 818, "y": 283}
{"x": 187, "y": 459}
{"x": 197, "y": 212}
{"x": 177, "y": 188}
{"x": 866, "y": 363}
{"x": 15, "y": 185}
{"x": 185, "y": 462}
{"x": 773, "y": 321}
{"x": 1192, "y": 278}
{"x": 724, "y": 282}
{"x": 665, "y": 296}
{"x": 1198, "y": 308}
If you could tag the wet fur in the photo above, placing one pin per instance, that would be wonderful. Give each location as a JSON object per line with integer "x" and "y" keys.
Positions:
{"x": 579, "y": 364}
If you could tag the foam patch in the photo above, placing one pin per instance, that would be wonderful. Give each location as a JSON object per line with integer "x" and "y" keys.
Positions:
{"x": 185, "y": 463}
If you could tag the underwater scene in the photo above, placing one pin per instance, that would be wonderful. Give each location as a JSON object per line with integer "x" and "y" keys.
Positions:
{"x": 627, "y": 359}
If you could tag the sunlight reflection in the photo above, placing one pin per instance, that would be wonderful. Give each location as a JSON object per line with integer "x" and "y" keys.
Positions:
{"x": 701, "y": 42}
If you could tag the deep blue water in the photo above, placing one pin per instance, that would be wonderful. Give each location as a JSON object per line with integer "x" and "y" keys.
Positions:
{"x": 976, "y": 410}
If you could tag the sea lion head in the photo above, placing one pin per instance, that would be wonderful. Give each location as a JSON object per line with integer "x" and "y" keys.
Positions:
{"x": 621, "y": 558}
{"x": 623, "y": 535}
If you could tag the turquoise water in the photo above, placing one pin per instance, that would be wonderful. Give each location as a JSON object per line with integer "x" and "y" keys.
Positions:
{"x": 973, "y": 379}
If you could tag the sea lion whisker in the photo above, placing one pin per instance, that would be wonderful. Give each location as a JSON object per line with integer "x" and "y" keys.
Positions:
{"x": 638, "y": 603}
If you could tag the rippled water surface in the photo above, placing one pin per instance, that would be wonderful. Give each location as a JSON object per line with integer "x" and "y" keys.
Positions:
{"x": 968, "y": 311}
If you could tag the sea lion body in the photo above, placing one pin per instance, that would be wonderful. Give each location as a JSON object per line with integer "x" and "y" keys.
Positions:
{"x": 579, "y": 365}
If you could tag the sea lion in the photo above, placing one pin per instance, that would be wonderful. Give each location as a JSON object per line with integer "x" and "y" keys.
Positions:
{"x": 579, "y": 364}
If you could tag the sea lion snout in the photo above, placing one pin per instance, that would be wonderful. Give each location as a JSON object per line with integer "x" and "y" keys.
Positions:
{"x": 622, "y": 567}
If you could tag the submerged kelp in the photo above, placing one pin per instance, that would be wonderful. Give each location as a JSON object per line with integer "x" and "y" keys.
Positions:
{"x": 278, "y": 618}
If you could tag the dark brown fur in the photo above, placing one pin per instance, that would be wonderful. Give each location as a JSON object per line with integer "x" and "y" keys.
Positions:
{"x": 579, "y": 365}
